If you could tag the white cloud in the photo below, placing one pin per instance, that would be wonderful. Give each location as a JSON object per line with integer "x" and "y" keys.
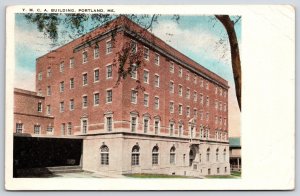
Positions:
{"x": 35, "y": 39}
{"x": 196, "y": 40}
{"x": 24, "y": 79}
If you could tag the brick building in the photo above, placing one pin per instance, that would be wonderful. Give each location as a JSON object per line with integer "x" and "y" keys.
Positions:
{"x": 175, "y": 124}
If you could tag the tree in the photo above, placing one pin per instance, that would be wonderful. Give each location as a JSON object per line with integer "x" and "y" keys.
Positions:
{"x": 49, "y": 23}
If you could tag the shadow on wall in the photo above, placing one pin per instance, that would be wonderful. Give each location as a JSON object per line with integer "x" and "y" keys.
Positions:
{"x": 34, "y": 152}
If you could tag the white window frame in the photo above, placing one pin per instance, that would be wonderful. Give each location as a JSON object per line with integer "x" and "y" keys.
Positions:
{"x": 133, "y": 72}
{"x": 107, "y": 97}
{"x": 85, "y": 82}
{"x": 146, "y": 55}
{"x": 71, "y": 104}
{"x": 96, "y": 52}
{"x": 172, "y": 67}
{"x": 171, "y": 107}
{"x": 106, "y": 127}
{"x": 96, "y": 93}
{"x": 180, "y": 109}
{"x": 40, "y": 76}
{"x": 171, "y": 87}
{"x": 72, "y": 62}
{"x": 62, "y": 86}
{"x": 95, "y": 71}
{"x": 147, "y": 100}
{"x": 85, "y": 102}
{"x": 61, "y": 106}
{"x": 84, "y": 58}
{"x": 72, "y": 83}
{"x": 81, "y": 125}
{"x": 157, "y": 59}
{"x": 156, "y": 80}
{"x": 147, "y": 74}
{"x": 108, "y": 47}
{"x": 133, "y": 96}
{"x": 156, "y": 106}
{"x": 136, "y": 123}
{"x": 107, "y": 71}
{"x": 158, "y": 128}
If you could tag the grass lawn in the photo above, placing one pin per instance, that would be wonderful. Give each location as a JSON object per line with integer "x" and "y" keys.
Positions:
{"x": 234, "y": 174}
{"x": 154, "y": 176}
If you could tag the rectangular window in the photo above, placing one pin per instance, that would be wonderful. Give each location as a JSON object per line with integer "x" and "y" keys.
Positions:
{"x": 207, "y": 116}
{"x": 195, "y": 96}
{"x": 19, "y": 127}
{"x": 49, "y": 73}
{"x": 133, "y": 96}
{"x": 84, "y": 79}
{"x": 133, "y": 46}
{"x": 96, "y": 52}
{"x": 49, "y": 129}
{"x": 195, "y": 79}
{"x": 180, "y": 109}
{"x": 39, "y": 107}
{"x": 220, "y": 106}
{"x": 201, "y": 115}
{"x": 207, "y": 101}
{"x": 69, "y": 128}
{"x": 216, "y": 104}
{"x": 39, "y": 93}
{"x": 180, "y": 72}
{"x": 180, "y": 130}
{"x": 171, "y": 87}
{"x": 156, "y": 59}
{"x": 146, "y": 125}
{"x": 225, "y": 108}
{"x": 146, "y": 76}
{"x": 48, "y": 90}
{"x": 96, "y": 75}
{"x": 72, "y": 83}
{"x": 188, "y": 112}
{"x": 61, "y": 67}
{"x": 62, "y": 86}
{"x": 61, "y": 106}
{"x": 146, "y": 100}
{"x": 195, "y": 113}
{"x": 72, "y": 62}
{"x": 201, "y": 82}
{"x": 84, "y": 127}
{"x": 171, "y": 67}
{"x": 207, "y": 86}
{"x": 109, "y": 123}
{"x": 146, "y": 53}
{"x": 71, "y": 104}
{"x": 40, "y": 76}
{"x": 156, "y": 126}
{"x": 201, "y": 99}
{"x": 96, "y": 99}
{"x": 180, "y": 90}
{"x": 63, "y": 129}
{"x": 172, "y": 158}
{"x": 156, "y": 103}
{"x": 133, "y": 71}
{"x": 84, "y": 57}
{"x": 188, "y": 94}
{"x": 187, "y": 76}
{"x": 171, "y": 129}
{"x": 48, "y": 109}
{"x": 108, "y": 47}
{"x": 171, "y": 107}
{"x": 156, "y": 80}
{"x": 216, "y": 90}
{"x": 109, "y": 71}
{"x": 37, "y": 129}
{"x": 84, "y": 101}
{"x": 109, "y": 96}
{"x": 133, "y": 123}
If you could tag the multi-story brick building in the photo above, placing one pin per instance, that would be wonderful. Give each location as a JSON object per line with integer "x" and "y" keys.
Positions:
{"x": 175, "y": 124}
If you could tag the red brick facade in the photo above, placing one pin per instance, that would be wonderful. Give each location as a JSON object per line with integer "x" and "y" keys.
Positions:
{"x": 54, "y": 71}
{"x": 27, "y": 115}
